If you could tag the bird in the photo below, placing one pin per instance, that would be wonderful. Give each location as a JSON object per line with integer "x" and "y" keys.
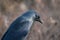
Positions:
{"x": 20, "y": 27}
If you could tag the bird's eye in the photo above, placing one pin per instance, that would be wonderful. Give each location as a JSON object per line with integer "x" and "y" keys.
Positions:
{"x": 37, "y": 16}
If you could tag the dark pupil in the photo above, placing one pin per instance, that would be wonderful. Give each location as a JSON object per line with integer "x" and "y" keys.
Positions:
{"x": 38, "y": 17}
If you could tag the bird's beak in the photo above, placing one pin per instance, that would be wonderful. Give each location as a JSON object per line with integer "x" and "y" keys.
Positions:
{"x": 40, "y": 21}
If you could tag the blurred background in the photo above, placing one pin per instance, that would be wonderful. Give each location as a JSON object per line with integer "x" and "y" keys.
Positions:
{"x": 49, "y": 10}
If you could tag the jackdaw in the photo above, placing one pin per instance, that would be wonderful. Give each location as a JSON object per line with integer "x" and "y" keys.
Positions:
{"x": 19, "y": 28}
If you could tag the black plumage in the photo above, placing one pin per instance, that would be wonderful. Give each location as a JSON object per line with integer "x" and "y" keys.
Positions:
{"x": 19, "y": 28}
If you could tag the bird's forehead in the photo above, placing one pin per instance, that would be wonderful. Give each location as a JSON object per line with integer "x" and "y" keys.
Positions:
{"x": 30, "y": 14}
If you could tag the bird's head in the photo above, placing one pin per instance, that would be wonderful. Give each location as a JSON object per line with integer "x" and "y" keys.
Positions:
{"x": 32, "y": 14}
